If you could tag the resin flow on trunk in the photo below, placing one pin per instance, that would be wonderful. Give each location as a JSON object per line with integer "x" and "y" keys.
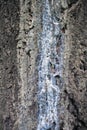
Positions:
{"x": 49, "y": 70}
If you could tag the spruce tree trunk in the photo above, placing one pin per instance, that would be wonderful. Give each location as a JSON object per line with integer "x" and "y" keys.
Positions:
{"x": 22, "y": 52}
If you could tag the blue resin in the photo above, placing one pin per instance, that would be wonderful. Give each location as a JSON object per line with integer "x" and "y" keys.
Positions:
{"x": 49, "y": 69}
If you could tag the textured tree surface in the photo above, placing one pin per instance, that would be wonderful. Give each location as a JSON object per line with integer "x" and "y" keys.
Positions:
{"x": 9, "y": 29}
{"x": 75, "y": 71}
{"x": 20, "y": 26}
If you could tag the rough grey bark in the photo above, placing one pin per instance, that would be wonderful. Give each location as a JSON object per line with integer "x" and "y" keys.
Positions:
{"x": 9, "y": 29}
{"x": 27, "y": 70}
{"x": 75, "y": 71}
{"x": 20, "y": 25}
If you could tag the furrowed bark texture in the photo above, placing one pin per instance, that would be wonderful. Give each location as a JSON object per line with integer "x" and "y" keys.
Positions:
{"x": 20, "y": 26}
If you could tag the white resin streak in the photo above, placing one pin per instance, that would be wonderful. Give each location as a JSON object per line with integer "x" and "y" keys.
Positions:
{"x": 48, "y": 90}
